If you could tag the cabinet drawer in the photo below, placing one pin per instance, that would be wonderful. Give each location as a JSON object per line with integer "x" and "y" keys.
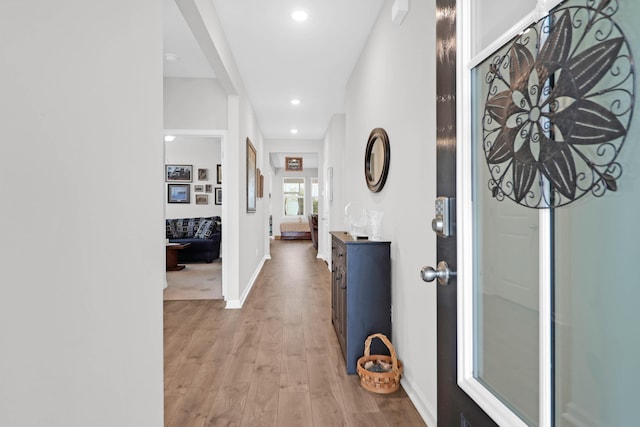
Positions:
{"x": 338, "y": 254}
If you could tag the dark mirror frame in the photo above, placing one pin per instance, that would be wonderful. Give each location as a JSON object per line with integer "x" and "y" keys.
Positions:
{"x": 378, "y": 134}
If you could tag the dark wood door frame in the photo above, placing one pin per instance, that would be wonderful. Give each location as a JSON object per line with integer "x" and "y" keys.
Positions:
{"x": 455, "y": 407}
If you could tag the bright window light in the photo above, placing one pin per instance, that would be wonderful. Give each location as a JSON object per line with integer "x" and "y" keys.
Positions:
{"x": 169, "y": 138}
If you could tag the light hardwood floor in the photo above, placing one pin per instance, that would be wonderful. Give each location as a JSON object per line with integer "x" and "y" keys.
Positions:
{"x": 275, "y": 362}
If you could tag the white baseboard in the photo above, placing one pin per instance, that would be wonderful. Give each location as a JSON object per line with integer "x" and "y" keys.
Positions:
{"x": 425, "y": 410}
{"x": 238, "y": 303}
{"x": 325, "y": 259}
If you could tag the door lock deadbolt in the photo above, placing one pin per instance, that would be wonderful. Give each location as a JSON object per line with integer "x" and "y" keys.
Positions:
{"x": 441, "y": 224}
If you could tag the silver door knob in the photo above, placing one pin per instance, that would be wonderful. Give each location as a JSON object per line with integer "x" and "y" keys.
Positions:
{"x": 442, "y": 273}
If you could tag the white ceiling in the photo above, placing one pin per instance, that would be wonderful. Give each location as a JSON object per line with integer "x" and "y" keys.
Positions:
{"x": 280, "y": 59}
{"x": 178, "y": 40}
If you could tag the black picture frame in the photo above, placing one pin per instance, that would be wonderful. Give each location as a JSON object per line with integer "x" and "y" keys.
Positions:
{"x": 218, "y": 196}
{"x": 179, "y": 193}
{"x": 219, "y": 174}
{"x": 182, "y": 173}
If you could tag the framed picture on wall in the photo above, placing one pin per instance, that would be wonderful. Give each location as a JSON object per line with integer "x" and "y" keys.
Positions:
{"x": 178, "y": 173}
{"x": 179, "y": 193}
{"x": 208, "y": 188}
{"x": 218, "y": 196}
{"x": 293, "y": 164}
{"x": 198, "y": 188}
{"x": 251, "y": 177}
{"x": 219, "y": 173}
{"x": 203, "y": 174}
{"x": 260, "y": 185}
{"x": 202, "y": 199}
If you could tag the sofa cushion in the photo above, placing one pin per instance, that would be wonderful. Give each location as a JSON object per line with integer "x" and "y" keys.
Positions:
{"x": 205, "y": 229}
{"x": 187, "y": 227}
{"x": 171, "y": 231}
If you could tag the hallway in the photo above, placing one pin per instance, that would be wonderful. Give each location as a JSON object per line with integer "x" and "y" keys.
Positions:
{"x": 276, "y": 362}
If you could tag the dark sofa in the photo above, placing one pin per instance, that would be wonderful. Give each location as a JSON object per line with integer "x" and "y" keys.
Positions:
{"x": 203, "y": 234}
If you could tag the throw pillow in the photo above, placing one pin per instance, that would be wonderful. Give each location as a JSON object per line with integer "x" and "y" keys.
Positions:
{"x": 171, "y": 232}
{"x": 187, "y": 227}
{"x": 204, "y": 230}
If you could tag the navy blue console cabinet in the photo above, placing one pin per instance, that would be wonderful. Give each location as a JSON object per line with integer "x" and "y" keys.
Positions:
{"x": 360, "y": 294}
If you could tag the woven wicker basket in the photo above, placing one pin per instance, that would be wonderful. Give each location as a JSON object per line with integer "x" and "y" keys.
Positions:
{"x": 380, "y": 382}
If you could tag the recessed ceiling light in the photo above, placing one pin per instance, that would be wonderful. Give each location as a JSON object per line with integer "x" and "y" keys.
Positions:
{"x": 171, "y": 57}
{"x": 294, "y": 131}
{"x": 169, "y": 138}
{"x": 295, "y": 101}
{"x": 299, "y": 15}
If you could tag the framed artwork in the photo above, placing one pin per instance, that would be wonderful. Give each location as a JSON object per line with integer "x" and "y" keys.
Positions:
{"x": 219, "y": 170}
{"x": 179, "y": 193}
{"x": 178, "y": 173}
{"x": 208, "y": 188}
{"x": 251, "y": 177}
{"x": 202, "y": 199}
{"x": 218, "y": 196}
{"x": 260, "y": 184}
{"x": 293, "y": 164}
{"x": 199, "y": 188}
{"x": 203, "y": 174}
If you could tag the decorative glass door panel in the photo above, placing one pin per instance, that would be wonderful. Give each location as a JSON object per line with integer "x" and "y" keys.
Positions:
{"x": 548, "y": 206}
{"x": 597, "y": 239}
{"x": 505, "y": 290}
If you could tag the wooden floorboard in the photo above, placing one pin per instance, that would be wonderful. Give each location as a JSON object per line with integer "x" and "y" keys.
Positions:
{"x": 275, "y": 362}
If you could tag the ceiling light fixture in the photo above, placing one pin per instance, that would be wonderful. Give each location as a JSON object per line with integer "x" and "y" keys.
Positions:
{"x": 295, "y": 102}
{"x": 294, "y": 131}
{"x": 170, "y": 57}
{"x": 299, "y": 15}
{"x": 169, "y": 138}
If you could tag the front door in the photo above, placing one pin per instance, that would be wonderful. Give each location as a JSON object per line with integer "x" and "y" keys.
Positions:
{"x": 537, "y": 152}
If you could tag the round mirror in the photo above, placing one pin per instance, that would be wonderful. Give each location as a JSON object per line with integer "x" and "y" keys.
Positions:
{"x": 376, "y": 159}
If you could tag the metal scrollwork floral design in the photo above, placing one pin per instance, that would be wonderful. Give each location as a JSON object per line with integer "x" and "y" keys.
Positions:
{"x": 554, "y": 124}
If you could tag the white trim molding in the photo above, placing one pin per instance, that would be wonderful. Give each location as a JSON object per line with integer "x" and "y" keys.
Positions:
{"x": 238, "y": 303}
{"x": 425, "y": 410}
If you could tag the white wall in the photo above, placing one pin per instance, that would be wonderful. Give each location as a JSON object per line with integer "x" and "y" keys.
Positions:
{"x": 332, "y": 218}
{"x": 253, "y": 226}
{"x": 82, "y": 253}
{"x": 244, "y": 248}
{"x": 200, "y": 153}
{"x": 393, "y": 87}
{"x": 194, "y": 104}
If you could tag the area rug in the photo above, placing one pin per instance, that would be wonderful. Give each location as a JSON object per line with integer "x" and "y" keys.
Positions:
{"x": 195, "y": 281}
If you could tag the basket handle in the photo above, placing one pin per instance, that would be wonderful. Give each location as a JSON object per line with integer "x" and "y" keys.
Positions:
{"x": 385, "y": 340}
